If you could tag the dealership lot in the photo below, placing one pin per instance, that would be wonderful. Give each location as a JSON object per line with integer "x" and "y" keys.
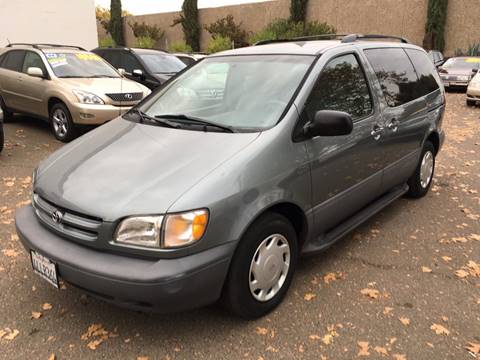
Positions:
{"x": 406, "y": 285}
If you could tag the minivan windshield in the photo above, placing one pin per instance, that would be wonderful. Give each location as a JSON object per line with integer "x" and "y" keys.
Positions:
{"x": 248, "y": 92}
{"x": 162, "y": 64}
{"x": 79, "y": 65}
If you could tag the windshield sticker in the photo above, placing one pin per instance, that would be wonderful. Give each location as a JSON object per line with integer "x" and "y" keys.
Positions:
{"x": 88, "y": 57}
{"x": 57, "y": 60}
{"x": 473, "y": 60}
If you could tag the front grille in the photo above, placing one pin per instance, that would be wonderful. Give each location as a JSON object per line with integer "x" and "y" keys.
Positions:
{"x": 126, "y": 97}
{"x": 65, "y": 222}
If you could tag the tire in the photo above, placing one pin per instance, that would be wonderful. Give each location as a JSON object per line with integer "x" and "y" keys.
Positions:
{"x": 2, "y": 137}
{"x": 471, "y": 102}
{"x": 421, "y": 180}
{"x": 7, "y": 115}
{"x": 240, "y": 294}
{"x": 61, "y": 123}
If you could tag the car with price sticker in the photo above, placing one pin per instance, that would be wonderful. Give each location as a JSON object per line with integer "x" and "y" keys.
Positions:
{"x": 213, "y": 186}
{"x": 457, "y": 72}
{"x": 65, "y": 85}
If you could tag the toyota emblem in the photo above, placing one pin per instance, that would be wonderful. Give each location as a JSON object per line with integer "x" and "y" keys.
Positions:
{"x": 57, "y": 216}
{"x": 128, "y": 96}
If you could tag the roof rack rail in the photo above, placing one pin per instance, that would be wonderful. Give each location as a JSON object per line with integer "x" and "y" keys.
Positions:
{"x": 37, "y": 46}
{"x": 354, "y": 37}
{"x": 302, "y": 38}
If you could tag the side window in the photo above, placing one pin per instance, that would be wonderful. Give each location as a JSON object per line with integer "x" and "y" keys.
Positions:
{"x": 130, "y": 63}
{"x": 33, "y": 60}
{"x": 395, "y": 73}
{"x": 427, "y": 74}
{"x": 14, "y": 60}
{"x": 341, "y": 86}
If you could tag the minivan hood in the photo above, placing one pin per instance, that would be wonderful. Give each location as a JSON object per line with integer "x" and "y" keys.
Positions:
{"x": 124, "y": 168}
{"x": 100, "y": 86}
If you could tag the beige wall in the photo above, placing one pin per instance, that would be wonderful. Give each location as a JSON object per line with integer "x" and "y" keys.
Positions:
{"x": 394, "y": 17}
{"x": 64, "y": 22}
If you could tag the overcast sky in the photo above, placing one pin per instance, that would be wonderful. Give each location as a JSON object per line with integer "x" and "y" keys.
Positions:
{"x": 139, "y": 7}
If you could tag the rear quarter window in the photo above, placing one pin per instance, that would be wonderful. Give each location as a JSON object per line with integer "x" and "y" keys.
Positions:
{"x": 428, "y": 80}
{"x": 395, "y": 73}
{"x": 13, "y": 60}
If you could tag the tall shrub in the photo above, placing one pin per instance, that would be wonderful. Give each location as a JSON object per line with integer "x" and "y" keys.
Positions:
{"x": 227, "y": 28}
{"x": 116, "y": 22}
{"x": 298, "y": 10}
{"x": 435, "y": 26}
{"x": 190, "y": 23}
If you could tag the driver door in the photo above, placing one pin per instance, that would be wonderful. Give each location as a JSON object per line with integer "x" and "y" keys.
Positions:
{"x": 346, "y": 170}
{"x": 32, "y": 88}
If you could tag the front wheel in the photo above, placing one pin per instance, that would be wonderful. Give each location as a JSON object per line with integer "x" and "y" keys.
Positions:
{"x": 262, "y": 267}
{"x": 61, "y": 123}
{"x": 471, "y": 102}
{"x": 421, "y": 180}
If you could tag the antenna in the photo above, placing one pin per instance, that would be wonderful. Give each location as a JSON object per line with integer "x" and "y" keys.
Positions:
{"x": 8, "y": 40}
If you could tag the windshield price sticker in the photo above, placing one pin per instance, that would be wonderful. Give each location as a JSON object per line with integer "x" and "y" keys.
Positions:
{"x": 88, "y": 57}
{"x": 473, "y": 60}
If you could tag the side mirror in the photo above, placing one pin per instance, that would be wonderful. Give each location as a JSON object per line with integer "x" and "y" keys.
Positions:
{"x": 329, "y": 123}
{"x": 137, "y": 73}
{"x": 35, "y": 72}
{"x": 474, "y": 71}
{"x": 121, "y": 71}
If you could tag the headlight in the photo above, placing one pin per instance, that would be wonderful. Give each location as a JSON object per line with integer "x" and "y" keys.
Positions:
{"x": 184, "y": 229}
{"x": 88, "y": 98}
{"x": 170, "y": 231}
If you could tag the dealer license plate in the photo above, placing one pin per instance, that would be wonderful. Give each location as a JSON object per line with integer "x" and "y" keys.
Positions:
{"x": 44, "y": 267}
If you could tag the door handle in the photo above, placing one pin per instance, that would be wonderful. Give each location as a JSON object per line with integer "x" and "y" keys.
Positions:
{"x": 377, "y": 132}
{"x": 393, "y": 125}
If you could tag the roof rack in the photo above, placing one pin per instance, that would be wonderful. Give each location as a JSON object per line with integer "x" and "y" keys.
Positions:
{"x": 354, "y": 37}
{"x": 302, "y": 38}
{"x": 345, "y": 38}
{"x": 37, "y": 46}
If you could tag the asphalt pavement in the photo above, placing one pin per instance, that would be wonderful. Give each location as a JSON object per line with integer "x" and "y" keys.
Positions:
{"x": 405, "y": 285}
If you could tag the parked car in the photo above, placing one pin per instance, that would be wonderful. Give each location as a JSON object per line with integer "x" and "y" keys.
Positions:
{"x": 187, "y": 59}
{"x": 65, "y": 85}
{"x": 457, "y": 71}
{"x": 436, "y": 57}
{"x": 473, "y": 90}
{"x": 149, "y": 67}
{"x": 2, "y": 134}
{"x": 191, "y": 197}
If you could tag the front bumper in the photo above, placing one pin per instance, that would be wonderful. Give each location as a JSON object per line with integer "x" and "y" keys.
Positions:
{"x": 157, "y": 285}
{"x": 88, "y": 114}
{"x": 473, "y": 93}
{"x": 455, "y": 83}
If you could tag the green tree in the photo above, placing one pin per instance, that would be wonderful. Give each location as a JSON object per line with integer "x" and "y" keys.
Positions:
{"x": 435, "y": 26}
{"x": 227, "y": 28}
{"x": 190, "y": 23}
{"x": 116, "y": 22}
{"x": 298, "y": 10}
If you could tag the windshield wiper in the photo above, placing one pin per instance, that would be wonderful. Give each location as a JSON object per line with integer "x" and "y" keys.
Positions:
{"x": 195, "y": 120}
{"x": 102, "y": 76}
{"x": 144, "y": 117}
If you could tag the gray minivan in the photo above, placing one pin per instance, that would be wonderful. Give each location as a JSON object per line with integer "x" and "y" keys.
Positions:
{"x": 215, "y": 184}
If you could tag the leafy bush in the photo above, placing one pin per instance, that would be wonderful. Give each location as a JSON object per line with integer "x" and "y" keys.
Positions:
{"x": 145, "y": 42}
{"x": 435, "y": 26}
{"x": 107, "y": 42}
{"x": 180, "y": 47}
{"x": 190, "y": 23}
{"x": 145, "y": 30}
{"x": 103, "y": 16}
{"x": 219, "y": 43}
{"x": 227, "y": 28}
{"x": 472, "y": 50}
{"x": 298, "y": 10}
{"x": 287, "y": 29}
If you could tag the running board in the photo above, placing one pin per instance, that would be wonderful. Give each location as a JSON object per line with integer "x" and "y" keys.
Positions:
{"x": 328, "y": 239}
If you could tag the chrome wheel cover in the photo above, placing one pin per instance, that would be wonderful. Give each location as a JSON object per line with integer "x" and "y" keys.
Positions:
{"x": 60, "y": 122}
{"x": 269, "y": 267}
{"x": 426, "y": 169}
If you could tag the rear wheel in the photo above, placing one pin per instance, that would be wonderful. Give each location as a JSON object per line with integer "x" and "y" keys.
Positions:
{"x": 262, "y": 268}
{"x": 61, "y": 123}
{"x": 420, "y": 182}
{"x": 7, "y": 115}
{"x": 471, "y": 102}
